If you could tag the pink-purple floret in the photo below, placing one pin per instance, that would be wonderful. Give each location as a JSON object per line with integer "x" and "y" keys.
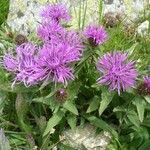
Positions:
{"x": 147, "y": 81}
{"x": 117, "y": 72}
{"x": 56, "y": 12}
{"x": 96, "y": 33}
{"x": 53, "y": 60}
{"x": 61, "y": 48}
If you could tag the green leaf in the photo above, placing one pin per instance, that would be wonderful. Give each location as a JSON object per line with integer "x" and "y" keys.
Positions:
{"x": 94, "y": 104}
{"x": 132, "y": 116}
{"x": 73, "y": 90}
{"x": 22, "y": 108}
{"x": 102, "y": 125}
{"x": 132, "y": 49}
{"x": 106, "y": 99}
{"x": 42, "y": 100}
{"x": 53, "y": 121}
{"x": 146, "y": 123}
{"x": 72, "y": 120}
{"x": 65, "y": 147}
{"x": 71, "y": 107}
{"x": 145, "y": 146}
{"x": 147, "y": 98}
{"x": 140, "y": 106}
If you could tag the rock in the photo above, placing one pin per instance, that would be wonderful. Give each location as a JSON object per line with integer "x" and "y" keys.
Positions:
{"x": 142, "y": 29}
{"x": 86, "y": 138}
{"x": 24, "y": 15}
{"x": 4, "y": 144}
{"x": 1, "y": 46}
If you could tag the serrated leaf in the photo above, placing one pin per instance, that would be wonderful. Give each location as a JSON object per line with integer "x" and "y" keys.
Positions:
{"x": 94, "y": 104}
{"x": 106, "y": 99}
{"x": 53, "y": 121}
{"x": 71, "y": 107}
{"x": 72, "y": 120}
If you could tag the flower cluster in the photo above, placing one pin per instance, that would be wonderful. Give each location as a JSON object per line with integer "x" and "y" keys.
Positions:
{"x": 117, "y": 72}
{"x": 51, "y": 61}
{"x": 61, "y": 48}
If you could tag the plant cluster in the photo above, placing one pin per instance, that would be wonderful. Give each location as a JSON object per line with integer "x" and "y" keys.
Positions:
{"x": 66, "y": 78}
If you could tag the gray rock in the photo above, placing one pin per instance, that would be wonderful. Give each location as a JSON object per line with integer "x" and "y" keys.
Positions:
{"x": 86, "y": 138}
{"x": 24, "y": 15}
{"x": 142, "y": 29}
{"x": 4, "y": 143}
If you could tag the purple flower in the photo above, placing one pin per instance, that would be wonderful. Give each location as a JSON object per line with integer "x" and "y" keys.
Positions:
{"x": 23, "y": 63}
{"x": 71, "y": 39}
{"x": 95, "y": 34}
{"x": 144, "y": 87}
{"x": 46, "y": 31}
{"x": 56, "y": 12}
{"x": 10, "y": 63}
{"x": 117, "y": 72}
{"x": 57, "y": 55}
{"x": 55, "y": 60}
{"x": 147, "y": 81}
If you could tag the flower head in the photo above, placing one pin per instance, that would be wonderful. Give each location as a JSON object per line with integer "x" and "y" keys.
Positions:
{"x": 56, "y": 56}
{"x": 54, "y": 61}
{"x": 95, "y": 34}
{"x": 27, "y": 61}
{"x": 47, "y": 31}
{"x": 56, "y": 12}
{"x": 69, "y": 38}
{"x": 61, "y": 95}
{"x": 10, "y": 63}
{"x": 22, "y": 64}
{"x": 116, "y": 71}
{"x": 147, "y": 81}
{"x": 144, "y": 88}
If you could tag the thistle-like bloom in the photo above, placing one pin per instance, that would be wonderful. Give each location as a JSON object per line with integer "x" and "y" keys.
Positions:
{"x": 56, "y": 12}
{"x": 22, "y": 64}
{"x": 117, "y": 72}
{"x": 57, "y": 55}
{"x": 55, "y": 60}
{"x": 47, "y": 31}
{"x": 144, "y": 88}
{"x": 71, "y": 39}
{"x": 95, "y": 34}
{"x": 61, "y": 95}
{"x": 10, "y": 63}
{"x": 147, "y": 81}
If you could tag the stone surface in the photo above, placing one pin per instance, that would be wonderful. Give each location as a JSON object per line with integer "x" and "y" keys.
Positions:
{"x": 4, "y": 144}
{"x": 142, "y": 29}
{"x": 86, "y": 138}
{"x": 24, "y": 14}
